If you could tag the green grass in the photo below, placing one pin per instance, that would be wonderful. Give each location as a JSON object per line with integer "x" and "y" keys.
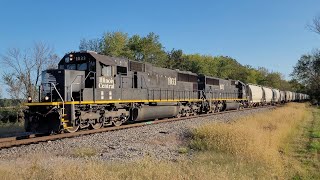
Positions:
{"x": 83, "y": 152}
{"x": 314, "y": 146}
{"x": 315, "y": 132}
{"x": 306, "y": 148}
{"x": 183, "y": 150}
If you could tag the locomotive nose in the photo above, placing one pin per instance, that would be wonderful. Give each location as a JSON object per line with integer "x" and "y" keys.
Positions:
{"x": 49, "y": 122}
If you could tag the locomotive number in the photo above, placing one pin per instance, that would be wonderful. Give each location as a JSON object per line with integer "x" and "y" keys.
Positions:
{"x": 172, "y": 81}
{"x": 80, "y": 58}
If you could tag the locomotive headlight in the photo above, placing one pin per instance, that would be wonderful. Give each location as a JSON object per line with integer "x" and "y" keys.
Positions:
{"x": 29, "y": 99}
{"x": 46, "y": 98}
{"x": 71, "y": 57}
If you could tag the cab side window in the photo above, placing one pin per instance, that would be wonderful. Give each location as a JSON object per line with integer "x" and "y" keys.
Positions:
{"x": 106, "y": 70}
{"x": 92, "y": 66}
{"x": 122, "y": 70}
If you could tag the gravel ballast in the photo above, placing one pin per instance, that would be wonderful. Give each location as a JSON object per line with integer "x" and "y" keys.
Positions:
{"x": 159, "y": 141}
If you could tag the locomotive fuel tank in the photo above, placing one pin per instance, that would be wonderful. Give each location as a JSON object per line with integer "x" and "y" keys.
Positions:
{"x": 231, "y": 105}
{"x": 153, "y": 112}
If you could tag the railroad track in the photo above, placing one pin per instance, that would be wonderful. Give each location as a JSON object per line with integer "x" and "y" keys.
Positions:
{"x": 28, "y": 138}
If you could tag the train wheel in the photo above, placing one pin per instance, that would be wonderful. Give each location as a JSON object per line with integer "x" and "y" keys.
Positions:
{"x": 96, "y": 125}
{"x": 72, "y": 129}
{"x": 116, "y": 121}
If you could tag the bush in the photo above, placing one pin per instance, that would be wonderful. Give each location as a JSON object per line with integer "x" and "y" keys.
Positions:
{"x": 9, "y": 115}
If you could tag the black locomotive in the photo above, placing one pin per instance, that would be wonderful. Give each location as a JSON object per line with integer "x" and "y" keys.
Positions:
{"x": 89, "y": 90}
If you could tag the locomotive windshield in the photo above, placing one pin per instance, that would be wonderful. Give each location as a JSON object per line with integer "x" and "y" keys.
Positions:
{"x": 81, "y": 66}
{"x": 78, "y": 66}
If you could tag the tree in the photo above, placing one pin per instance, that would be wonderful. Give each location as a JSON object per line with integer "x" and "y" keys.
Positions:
{"x": 91, "y": 45}
{"x": 307, "y": 72}
{"x": 119, "y": 44}
{"x": 148, "y": 49}
{"x": 273, "y": 79}
{"x": 285, "y": 85}
{"x": 296, "y": 86}
{"x": 228, "y": 68}
{"x": 197, "y": 63}
{"x": 251, "y": 75}
{"x": 174, "y": 59}
{"x": 116, "y": 44}
{"x": 315, "y": 26}
{"x": 24, "y": 69}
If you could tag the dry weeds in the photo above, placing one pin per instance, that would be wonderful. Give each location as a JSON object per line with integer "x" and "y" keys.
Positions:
{"x": 262, "y": 138}
{"x": 254, "y": 147}
{"x": 83, "y": 152}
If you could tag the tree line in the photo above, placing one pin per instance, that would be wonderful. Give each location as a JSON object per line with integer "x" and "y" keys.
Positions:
{"x": 149, "y": 49}
{"x": 307, "y": 69}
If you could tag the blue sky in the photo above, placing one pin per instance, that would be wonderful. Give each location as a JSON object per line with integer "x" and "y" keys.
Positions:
{"x": 269, "y": 33}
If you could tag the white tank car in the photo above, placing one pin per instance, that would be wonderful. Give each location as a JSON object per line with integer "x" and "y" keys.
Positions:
{"x": 282, "y": 96}
{"x": 268, "y": 95}
{"x": 276, "y": 95}
{"x": 298, "y": 96}
{"x": 287, "y": 95}
{"x": 293, "y": 96}
{"x": 255, "y": 93}
{"x": 290, "y": 96}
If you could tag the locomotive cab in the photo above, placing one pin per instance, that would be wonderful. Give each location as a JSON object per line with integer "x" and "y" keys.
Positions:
{"x": 76, "y": 71}
{"x": 86, "y": 76}
{"x": 82, "y": 78}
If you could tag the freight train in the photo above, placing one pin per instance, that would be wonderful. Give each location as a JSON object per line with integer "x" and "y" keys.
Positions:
{"x": 90, "y": 90}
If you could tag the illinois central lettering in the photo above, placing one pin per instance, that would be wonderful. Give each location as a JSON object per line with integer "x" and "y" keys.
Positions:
{"x": 106, "y": 83}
